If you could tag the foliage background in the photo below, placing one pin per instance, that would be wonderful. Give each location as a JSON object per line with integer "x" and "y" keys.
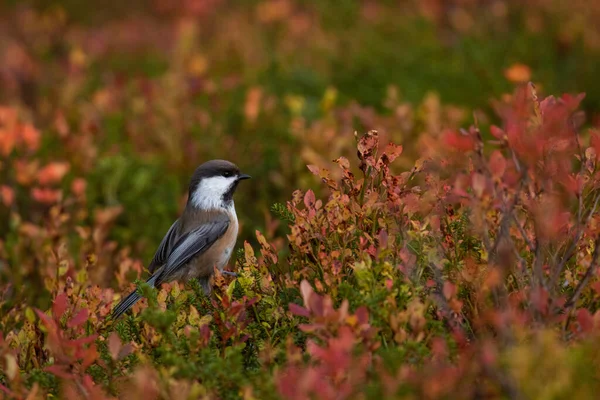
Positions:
{"x": 108, "y": 106}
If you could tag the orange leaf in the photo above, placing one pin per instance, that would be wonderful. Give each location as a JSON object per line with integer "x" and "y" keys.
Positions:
{"x": 7, "y": 194}
{"x": 30, "y": 136}
{"x": 25, "y": 172}
{"x": 78, "y": 186}
{"x": 53, "y": 173}
{"x": 392, "y": 151}
{"x": 90, "y": 356}
{"x": 518, "y": 73}
{"x": 343, "y": 162}
{"x": 7, "y": 141}
{"x": 107, "y": 215}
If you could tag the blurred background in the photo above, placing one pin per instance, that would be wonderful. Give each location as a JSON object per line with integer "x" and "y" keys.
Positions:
{"x": 118, "y": 101}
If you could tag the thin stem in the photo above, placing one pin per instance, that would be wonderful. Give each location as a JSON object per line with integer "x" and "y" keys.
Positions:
{"x": 586, "y": 278}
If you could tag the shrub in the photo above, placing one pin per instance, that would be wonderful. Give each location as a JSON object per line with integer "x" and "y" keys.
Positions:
{"x": 474, "y": 273}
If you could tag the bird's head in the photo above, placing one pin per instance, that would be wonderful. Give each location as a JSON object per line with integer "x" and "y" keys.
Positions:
{"x": 213, "y": 184}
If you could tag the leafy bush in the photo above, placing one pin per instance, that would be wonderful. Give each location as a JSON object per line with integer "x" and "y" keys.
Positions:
{"x": 474, "y": 273}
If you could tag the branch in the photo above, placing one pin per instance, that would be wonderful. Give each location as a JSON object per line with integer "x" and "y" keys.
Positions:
{"x": 571, "y": 251}
{"x": 530, "y": 245}
{"x": 586, "y": 278}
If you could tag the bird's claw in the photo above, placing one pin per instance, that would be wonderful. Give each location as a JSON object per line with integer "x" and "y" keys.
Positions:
{"x": 230, "y": 273}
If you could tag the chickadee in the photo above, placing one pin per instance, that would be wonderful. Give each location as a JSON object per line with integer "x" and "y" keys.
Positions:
{"x": 203, "y": 237}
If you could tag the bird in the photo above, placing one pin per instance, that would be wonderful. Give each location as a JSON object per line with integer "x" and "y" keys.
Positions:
{"x": 203, "y": 237}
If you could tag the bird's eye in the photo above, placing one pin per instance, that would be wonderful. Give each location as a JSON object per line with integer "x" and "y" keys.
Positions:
{"x": 227, "y": 174}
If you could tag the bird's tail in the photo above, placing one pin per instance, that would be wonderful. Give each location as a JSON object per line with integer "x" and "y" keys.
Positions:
{"x": 130, "y": 300}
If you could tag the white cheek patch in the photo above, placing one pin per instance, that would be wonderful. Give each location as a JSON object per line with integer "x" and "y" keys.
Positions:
{"x": 209, "y": 193}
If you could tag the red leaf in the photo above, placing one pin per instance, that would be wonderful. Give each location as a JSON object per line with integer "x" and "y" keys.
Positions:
{"x": 316, "y": 304}
{"x": 251, "y": 302}
{"x": 362, "y": 314}
{"x": 7, "y": 195}
{"x": 53, "y": 173}
{"x": 30, "y": 136}
{"x": 78, "y": 186}
{"x": 586, "y": 322}
{"x": 59, "y": 306}
{"x": 572, "y": 102}
{"x": 45, "y": 195}
{"x": 309, "y": 199}
{"x": 298, "y": 310}
{"x": 458, "y": 141}
{"x": 79, "y": 318}
{"x": 449, "y": 290}
{"x": 497, "y": 132}
{"x": 46, "y": 320}
{"x": 497, "y": 164}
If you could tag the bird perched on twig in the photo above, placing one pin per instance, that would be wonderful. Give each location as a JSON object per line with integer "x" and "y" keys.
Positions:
{"x": 203, "y": 237}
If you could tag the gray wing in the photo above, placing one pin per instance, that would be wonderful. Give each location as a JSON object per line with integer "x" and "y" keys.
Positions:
{"x": 191, "y": 245}
{"x": 165, "y": 247}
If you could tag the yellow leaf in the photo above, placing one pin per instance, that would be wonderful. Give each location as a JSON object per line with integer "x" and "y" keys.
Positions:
{"x": 11, "y": 366}
{"x": 63, "y": 267}
{"x": 29, "y": 314}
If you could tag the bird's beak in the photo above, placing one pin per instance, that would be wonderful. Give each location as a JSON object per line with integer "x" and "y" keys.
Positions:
{"x": 241, "y": 177}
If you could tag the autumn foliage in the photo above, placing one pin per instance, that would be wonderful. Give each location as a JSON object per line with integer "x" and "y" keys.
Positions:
{"x": 431, "y": 254}
{"x": 466, "y": 275}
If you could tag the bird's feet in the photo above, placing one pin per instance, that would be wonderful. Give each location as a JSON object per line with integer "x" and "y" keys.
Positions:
{"x": 230, "y": 273}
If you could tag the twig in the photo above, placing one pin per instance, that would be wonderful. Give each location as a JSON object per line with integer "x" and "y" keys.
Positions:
{"x": 571, "y": 250}
{"x": 524, "y": 234}
{"x": 508, "y": 213}
{"x": 586, "y": 278}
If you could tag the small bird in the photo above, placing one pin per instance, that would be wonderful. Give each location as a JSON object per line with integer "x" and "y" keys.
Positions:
{"x": 203, "y": 237}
